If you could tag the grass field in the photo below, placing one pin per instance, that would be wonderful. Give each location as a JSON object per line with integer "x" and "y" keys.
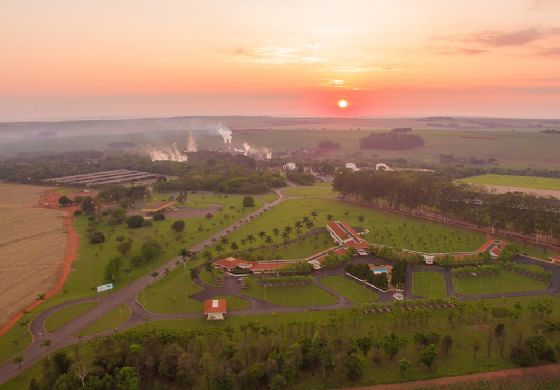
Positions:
{"x": 32, "y": 247}
{"x": 171, "y": 294}
{"x": 539, "y": 183}
{"x": 385, "y": 228}
{"x": 428, "y": 284}
{"x": 62, "y": 317}
{"x": 15, "y": 340}
{"x": 319, "y": 190}
{"x": 309, "y": 295}
{"x": 110, "y": 320}
{"x": 234, "y": 303}
{"x": 349, "y": 289}
{"x": 504, "y": 282}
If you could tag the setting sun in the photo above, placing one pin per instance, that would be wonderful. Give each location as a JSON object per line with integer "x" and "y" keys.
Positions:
{"x": 342, "y": 103}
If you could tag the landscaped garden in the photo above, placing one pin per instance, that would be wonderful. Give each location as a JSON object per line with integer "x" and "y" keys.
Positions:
{"x": 349, "y": 289}
{"x": 292, "y": 296}
{"x": 502, "y": 282}
{"x": 428, "y": 284}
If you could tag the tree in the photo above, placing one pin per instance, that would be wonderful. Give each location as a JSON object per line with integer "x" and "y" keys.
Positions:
{"x": 475, "y": 344}
{"x": 135, "y": 221}
{"x": 194, "y": 274}
{"x": 500, "y": 333}
{"x": 248, "y": 202}
{"x": 87, "y": 206}
{"x": 113, "y": 270}
{"x": 96, "y": 238}
{"x": 447, "y": 343}
{"x": 150, "y": 250}
{"x": 158, "y": 216}
{"x": 178, "y": 225}
{"x": 124, "y": 247}
{"x": 427, "y": 355}
{"x": 234, "y": 247}
{"x": 18, "y": 359}
{"x": 404, "y": 365}
{"x": 64, "y": 201}
{"x": 127, "y": 379}
{"x": 392, "y": 343}
{"x": 355, "y": 366}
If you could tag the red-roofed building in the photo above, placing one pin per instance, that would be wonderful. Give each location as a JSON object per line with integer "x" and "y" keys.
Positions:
{"x": 215, "y": 309}
{"x": 231, "y": 263}
{"x": 494, "y": 247}
{"x": 555, "y": 259}
{"x": 344, "y": 235}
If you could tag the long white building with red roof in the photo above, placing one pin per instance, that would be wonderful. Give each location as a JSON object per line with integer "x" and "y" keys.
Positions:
{"x": 344, "y": 235}
{"x": 256, "y": 267}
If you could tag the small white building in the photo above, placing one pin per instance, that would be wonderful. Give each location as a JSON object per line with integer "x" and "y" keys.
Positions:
{"x": 429, "y": 259}
{"x": 290, "y": 166}
{"x": 352, "y": 167}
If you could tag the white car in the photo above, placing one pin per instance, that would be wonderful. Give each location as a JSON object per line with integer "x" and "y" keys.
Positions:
{"x": 398, "y": 296}
{"x": 362, "y": 252}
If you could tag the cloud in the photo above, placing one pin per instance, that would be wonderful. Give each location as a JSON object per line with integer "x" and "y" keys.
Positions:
{"x": 544, "y": 4}
{"x": 363, "y": 69}
{"x": 532, "y": 38}
{"x": 279, "y": 55}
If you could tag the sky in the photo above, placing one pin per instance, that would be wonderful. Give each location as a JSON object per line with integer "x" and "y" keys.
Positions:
{"x": 64, "y": 59}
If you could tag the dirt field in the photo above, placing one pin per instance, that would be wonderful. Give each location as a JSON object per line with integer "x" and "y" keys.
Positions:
{"x": 33, "y": 245}
{"x": 191, "y": 212}
{"x": 534, "y": 191}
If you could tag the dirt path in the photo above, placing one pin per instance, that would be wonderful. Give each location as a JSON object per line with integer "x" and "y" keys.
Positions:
{"x": 548, "y": 370}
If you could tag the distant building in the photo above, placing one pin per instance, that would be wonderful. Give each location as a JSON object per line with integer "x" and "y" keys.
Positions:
{"x": 555, "y": 259}
{"x": 344, "y": 235}
{"x": 151, "y": 208}
{"x": 429, "y": 259}
{"x": 382, "y": 167}
{"x": 290, "y": 166}
{"x": 238, "y": 266}
{"x": 215, "y": 309}
{"x": 106, "y": 178}
{"x": 494, "y": 247}
{"x": 352, "y": 167}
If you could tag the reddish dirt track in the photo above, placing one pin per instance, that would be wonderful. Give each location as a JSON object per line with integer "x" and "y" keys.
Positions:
{"x": 49, "y": 200}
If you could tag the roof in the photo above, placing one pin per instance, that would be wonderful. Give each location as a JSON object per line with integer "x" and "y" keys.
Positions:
{"x": 215, "y": 306}
{"x": 554, "y": 258}
{"x": 255, "y": 266}
{"x": 491, "y": 243}
{"x": 348, "y": 235}
{"x": 157, "y": 205}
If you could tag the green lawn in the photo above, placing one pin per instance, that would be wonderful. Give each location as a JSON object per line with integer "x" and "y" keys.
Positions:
{"x": 15, "y": 340}
{"x": 316, "y": 191}
{"x": 112, "y": 319}
{"x": 234, "y": 303}
{"x": 539, "y": 183}
{"x": 170, "y": 294}
{"x": 63, "y": 316}
{"x": 504, "y": 282}
{"x": 309, "y": 295}
{"x": 349, "y": 289}
{"x": 428, "y": 284}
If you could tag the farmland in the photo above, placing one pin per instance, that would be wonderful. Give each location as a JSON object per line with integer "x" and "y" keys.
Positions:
{"x": 539, "y": 183}
{"x": 504, "y": 282}
{"x": 32, "y": 247}
{"x": 428, "y": 284}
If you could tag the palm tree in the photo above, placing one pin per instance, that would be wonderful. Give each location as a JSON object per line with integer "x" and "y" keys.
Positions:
{"x": 330, "y": 217}
{"x": 183, "y": 253}
{"x": 46, "y": 343}
{"x": 18, "y": 360}
{"x": 250, "y": 238}
{"x": 276, "y": 232}
{"x": 194, "y": 274}
{"x": 224, "y": 241}
{"x": 262, "y": 235}
{"x": 268, "y": 240}
{"x": 234, "y": 247}
{"x": 305, "y": 219}
{"x": 243, "y": 242}
{"x": 314, "y": 214}
{"x": 288, "y": 229}
{"x": 285, "y": 236}
{"x": 207, "y": 254}
{"x": 219, "y": 249}
{"x": 309, "y": 225}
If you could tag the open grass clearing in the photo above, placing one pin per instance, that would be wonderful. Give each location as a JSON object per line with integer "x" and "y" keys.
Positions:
{"x": 349, "y": 289}
{"x": 297, "y": 296}
{"x": 112, "y": 319}
{"x": 233, "y": 302}
{"x": 319, "y": 190}
{"x": 503, "y": 282}
{"x": 539, "y": 183}
{"x": 428, "y": 284}
{"x": 63, "y": 316}
{"x": 171, "y": 294}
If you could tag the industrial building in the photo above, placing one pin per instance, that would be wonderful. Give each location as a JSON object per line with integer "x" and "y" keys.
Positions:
{"x": 105, "y": 178}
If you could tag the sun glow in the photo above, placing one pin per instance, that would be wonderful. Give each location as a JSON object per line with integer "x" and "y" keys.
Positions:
{"x": 342, "y": 103}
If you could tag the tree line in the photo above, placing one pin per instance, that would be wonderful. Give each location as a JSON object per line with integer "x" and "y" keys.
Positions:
{"x": 409, "y": 191}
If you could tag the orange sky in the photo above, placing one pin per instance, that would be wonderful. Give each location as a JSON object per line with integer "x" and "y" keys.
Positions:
{"x": 117, "y": 58}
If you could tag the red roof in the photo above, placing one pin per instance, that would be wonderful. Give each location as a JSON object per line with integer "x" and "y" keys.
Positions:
{"x": 555, "y": 258}
{"x": 348, "y": 235}
{"x": 358, "y": 245}
{"x": 255, "y": 266}
{"x": 215, "y": 306}
{"x": 338, "y": 230}
{"x": 232, "y": 262}
{"x": 262, "y": 266}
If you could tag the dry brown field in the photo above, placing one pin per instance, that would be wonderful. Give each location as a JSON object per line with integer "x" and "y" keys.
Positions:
{"x": 32, "y": 247}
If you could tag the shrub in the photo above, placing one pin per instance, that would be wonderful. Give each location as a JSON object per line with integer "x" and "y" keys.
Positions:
{"x": 96, "y": 238}
{"x": 178, "y": 225}
{"x": 159, "y": 216}
{"x": 248, "y": 201}
{"x": 135, "y": 221}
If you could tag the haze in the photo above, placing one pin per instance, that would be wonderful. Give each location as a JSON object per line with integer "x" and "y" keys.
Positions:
{"x": 70, "y": 59}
